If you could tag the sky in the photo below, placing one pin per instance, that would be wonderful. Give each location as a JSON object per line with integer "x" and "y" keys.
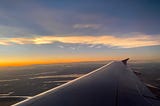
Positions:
{"x": 57, "y": 31}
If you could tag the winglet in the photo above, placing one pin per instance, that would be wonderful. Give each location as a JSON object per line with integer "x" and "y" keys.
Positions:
{"x": 125, "y": 61}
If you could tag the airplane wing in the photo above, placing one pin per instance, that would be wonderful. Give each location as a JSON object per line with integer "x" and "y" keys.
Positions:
{"x": 113, "y": 84}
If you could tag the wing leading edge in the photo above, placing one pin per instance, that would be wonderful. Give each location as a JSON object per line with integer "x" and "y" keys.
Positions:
{"x": 113, "y": 84}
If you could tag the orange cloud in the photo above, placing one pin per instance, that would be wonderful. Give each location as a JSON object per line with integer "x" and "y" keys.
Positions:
{"x": 108, "y": 40}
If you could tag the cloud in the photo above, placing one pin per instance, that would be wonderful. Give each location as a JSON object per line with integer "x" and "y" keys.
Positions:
{"x": 91, "y": 46}
{"x": 12, "y": 31}
{"x": 107, "y": 40}
{"x": 35, "y": 17}
{"x": 98, "y": 47}
{"x": 60, "y": 46}
{"x": 84, "y": 26}
{"x": 72, "y": 48}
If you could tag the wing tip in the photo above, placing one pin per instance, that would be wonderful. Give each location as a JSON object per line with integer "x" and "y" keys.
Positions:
{"x": 125, "y": 61}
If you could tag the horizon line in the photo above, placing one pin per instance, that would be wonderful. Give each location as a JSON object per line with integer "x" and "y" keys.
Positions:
{"x": 67, "y": 62}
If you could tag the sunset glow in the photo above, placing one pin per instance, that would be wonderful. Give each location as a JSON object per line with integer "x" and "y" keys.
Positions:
{"x": 45, "y": 32}
{"x": 108, "y": 40}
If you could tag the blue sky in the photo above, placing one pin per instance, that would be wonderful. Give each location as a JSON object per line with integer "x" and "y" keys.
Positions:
{"x": 132, "y": 26}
